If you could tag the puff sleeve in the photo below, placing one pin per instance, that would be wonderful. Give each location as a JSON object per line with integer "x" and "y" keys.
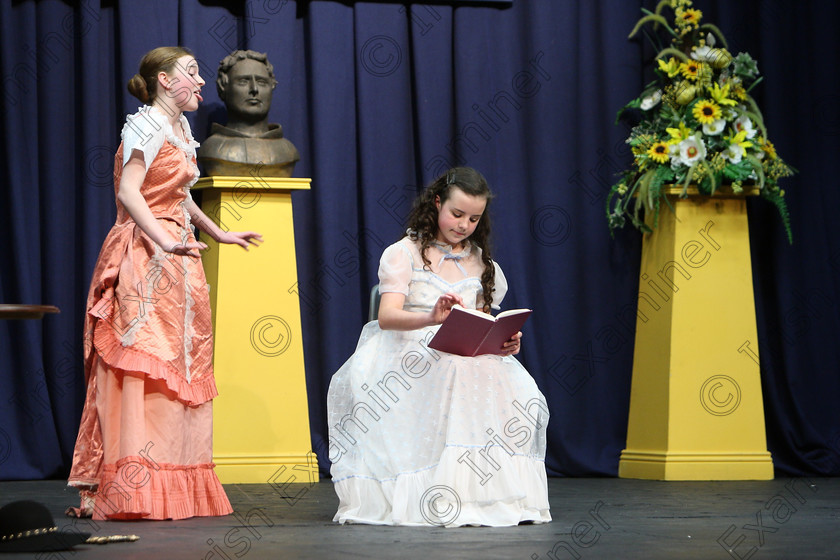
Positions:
{"x": 395, "y": 269}
{"x": 143, "y": 131}
{"x": 500, "y": 288}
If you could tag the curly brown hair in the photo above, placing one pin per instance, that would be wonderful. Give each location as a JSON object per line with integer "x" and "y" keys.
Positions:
{"x": 423, "y": 220}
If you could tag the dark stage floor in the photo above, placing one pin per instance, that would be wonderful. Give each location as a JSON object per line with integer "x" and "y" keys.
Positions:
{"x": 593, "y": 518}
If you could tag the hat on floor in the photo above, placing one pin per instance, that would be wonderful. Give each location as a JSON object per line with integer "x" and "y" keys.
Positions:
{"x": 27, "y": 526}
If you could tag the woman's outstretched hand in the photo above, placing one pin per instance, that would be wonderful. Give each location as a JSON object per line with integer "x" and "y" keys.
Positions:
{"x": 241, "y": 238}
{"x": 187, "y": 249}
{"x": 443, "y": 306}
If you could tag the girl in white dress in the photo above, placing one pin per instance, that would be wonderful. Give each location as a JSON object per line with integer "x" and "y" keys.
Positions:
{"x": 421, "y": 437}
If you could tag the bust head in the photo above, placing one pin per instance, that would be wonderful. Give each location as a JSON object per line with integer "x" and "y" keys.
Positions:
{"x": 245, "y": 84}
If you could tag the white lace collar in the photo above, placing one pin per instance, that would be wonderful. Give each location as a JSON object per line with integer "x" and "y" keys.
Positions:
{"x": 189, "y": 147}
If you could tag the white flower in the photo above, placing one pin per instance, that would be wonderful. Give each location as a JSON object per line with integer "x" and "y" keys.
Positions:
{"x": 674, "y": 151}
{"x": 714, "y": 128}
{"x": 744, "y": 123}
{"x": 710, "y": 40}
{"x": 701, "y": 54}
{"x": 692, "y": 150}
{"x": 733, "y": 153}
{"x": 650, "y": 101}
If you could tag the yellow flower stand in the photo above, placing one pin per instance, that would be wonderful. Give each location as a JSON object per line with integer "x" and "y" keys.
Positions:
{"x": 260, "y": 418}
{"x": 696, "y": 410}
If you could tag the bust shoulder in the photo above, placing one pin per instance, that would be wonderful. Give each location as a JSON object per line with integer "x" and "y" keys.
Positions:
{"x": 229, "y": 152}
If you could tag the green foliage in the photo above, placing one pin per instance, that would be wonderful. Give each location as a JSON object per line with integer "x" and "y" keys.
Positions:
{"x": 740, "y": 171}
{"x": 700, "y": 109}
{"x": 775, "y": 196}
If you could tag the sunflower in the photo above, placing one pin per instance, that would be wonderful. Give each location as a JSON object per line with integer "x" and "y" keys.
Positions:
{"x": 691, "y": 69}
{"x": 641, "y": 144}
{"x": 689, "y": 17}
{"x": 692, "y": 16}
{"x": 706, "y": 112}
{"x": 659, "y": 152}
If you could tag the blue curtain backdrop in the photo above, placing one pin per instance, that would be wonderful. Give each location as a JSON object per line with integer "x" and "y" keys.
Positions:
{"x": 379, "y": 97}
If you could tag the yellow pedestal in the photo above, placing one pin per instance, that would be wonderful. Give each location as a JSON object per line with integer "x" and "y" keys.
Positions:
{"x": 260, "y": 418}
{"x": 696, "y": 411}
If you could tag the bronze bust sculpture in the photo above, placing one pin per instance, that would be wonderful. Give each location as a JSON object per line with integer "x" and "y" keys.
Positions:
{"x": 245, "y": 83}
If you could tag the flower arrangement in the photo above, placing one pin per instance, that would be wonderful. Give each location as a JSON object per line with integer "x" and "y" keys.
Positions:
{"x": 698, "y": 123}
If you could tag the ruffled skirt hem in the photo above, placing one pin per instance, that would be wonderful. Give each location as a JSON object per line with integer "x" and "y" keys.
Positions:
{"x": 136, "y": 488}
{"x": 450, "y": 494}
{"x": 126, "y": 358}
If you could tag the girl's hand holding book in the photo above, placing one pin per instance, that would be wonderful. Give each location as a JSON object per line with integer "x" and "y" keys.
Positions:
{"x": 443, "y": 306}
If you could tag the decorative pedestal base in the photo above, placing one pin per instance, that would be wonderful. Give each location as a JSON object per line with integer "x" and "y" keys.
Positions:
{"x": 260, "y": 418}
{"x": 696, "y": 411}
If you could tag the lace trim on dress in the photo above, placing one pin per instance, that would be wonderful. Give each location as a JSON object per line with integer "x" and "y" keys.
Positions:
{"x": 189, "y": 147}
{"x": 189, "y": 150}
{"x": 189, "y": 313}
{"x": 128, "y": 338}
{"x": 189, "y": 331}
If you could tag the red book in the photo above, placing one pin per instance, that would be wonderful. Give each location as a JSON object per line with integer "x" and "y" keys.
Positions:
{"x": 469, "y": 332}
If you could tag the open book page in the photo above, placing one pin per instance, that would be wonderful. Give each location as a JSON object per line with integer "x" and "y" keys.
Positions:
{"x": 469, "y": 332}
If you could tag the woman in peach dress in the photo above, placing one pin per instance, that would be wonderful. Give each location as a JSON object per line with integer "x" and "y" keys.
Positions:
{"x": 144, "y": 449}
